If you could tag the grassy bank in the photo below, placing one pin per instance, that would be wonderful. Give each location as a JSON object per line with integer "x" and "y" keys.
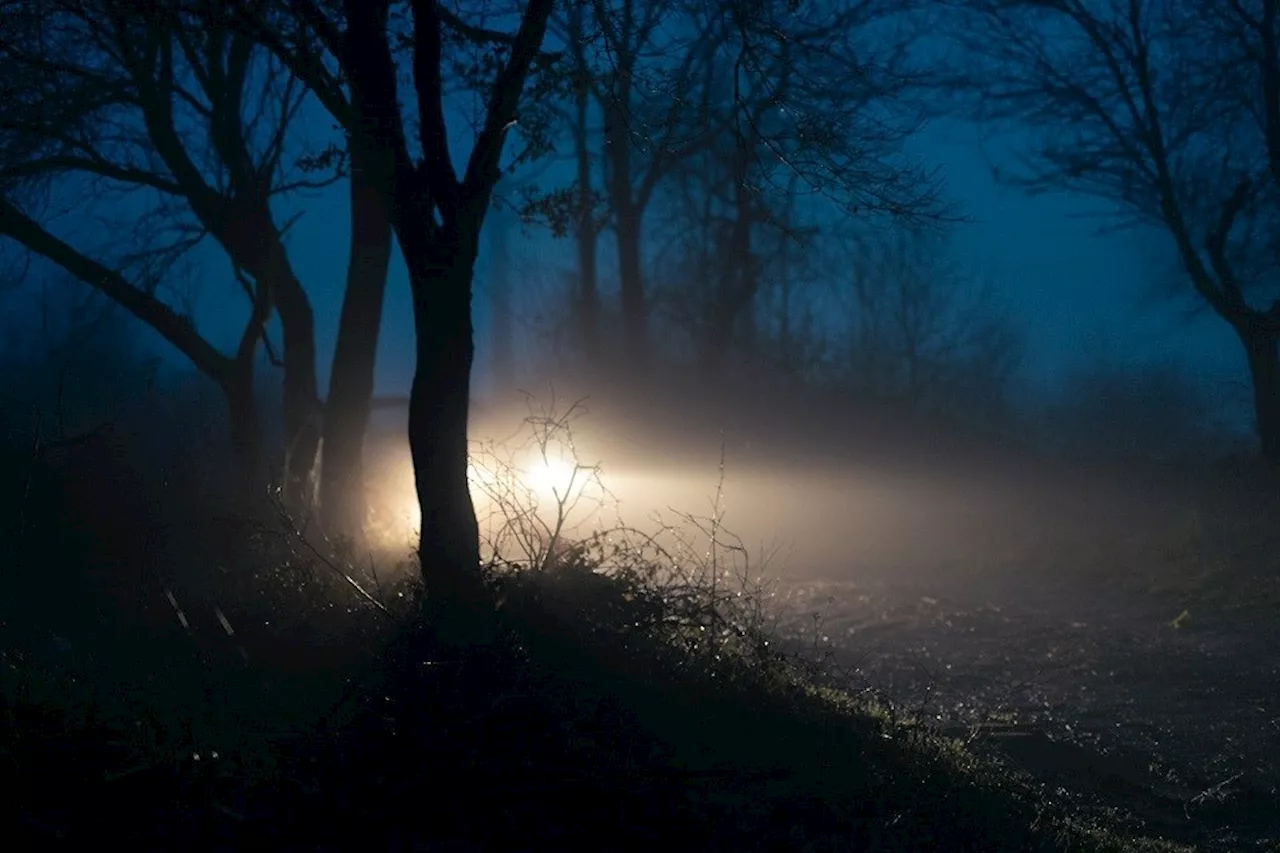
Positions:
{"x": 614, "y": 711}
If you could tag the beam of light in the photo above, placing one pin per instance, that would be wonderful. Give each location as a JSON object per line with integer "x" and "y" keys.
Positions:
{"x": 482, "y": 479}
{"x": 541, "y": 479}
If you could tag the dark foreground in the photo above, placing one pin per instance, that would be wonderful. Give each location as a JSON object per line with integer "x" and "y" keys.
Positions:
{"x": 172, "y": 678}
{"x": 607, "y": 714}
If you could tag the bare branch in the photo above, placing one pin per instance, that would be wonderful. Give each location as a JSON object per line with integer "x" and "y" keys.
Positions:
{"x": 172, "y": 326}
{"x": 429, "y": 87}
{"x": 483, "y": 172}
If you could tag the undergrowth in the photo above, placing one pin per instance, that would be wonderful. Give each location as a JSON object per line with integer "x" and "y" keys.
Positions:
{"x": 634, "y": 696}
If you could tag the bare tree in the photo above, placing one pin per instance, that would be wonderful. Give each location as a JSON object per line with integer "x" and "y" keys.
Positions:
{"x": 1170, "y": 109}
{"x": 822, "y": 91}
{"x": 709, "y": 281}
{"x": 129, "y": 100}
{"x": 436, "y": 212}
{"x": 207, "y": 120}
{"x": 922, "y": 332}
{"x": 96, "y": 105}
{"x": 802, "y": 108}
{"x": 793, "y": 341}
{"x": 654, "y": 55}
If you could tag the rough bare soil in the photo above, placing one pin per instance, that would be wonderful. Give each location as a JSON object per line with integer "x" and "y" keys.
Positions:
{"x": 1105, "y": 696}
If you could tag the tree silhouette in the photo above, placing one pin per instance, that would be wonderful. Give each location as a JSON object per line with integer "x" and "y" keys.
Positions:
{"x": 1168, "y": 109}
{"x": 352, "y": 56}
{"x": 117, "y": 99}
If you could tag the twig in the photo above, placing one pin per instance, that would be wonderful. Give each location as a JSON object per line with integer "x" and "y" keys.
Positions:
{"x": 1207, "y": 793}
{"x": 373, "y": 570}
{"x": 324, "y": 559}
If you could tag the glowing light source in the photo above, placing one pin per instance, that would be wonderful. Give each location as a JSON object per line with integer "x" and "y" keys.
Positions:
{"x": 533, "y": 477}
{"x": 550, "y": 475}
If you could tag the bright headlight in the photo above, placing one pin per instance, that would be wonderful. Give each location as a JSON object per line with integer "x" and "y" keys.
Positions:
{"x": 550, "y": 471}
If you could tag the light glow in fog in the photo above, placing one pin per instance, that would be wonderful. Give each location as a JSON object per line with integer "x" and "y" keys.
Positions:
{"x": 536, "y": 478}
{"x": 553, "y": 473}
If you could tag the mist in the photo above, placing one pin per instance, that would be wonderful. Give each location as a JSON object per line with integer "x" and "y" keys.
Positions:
{"x": 641, "y": 365}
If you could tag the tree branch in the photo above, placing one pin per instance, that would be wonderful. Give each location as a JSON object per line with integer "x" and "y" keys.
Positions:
{"x": 483, "y": 167}
{"x": 61, "y": 164}
{"x": 174, "y": 328}
{"x": 437, "y": 164}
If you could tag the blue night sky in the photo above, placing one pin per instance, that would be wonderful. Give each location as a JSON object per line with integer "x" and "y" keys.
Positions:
{"x": 1082, "y": 290}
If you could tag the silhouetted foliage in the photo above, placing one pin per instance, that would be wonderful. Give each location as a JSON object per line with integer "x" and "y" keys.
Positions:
{"x": 351, "y": 60}
{"x": 123, "y": 103}
{"x": 1135, "y": 414}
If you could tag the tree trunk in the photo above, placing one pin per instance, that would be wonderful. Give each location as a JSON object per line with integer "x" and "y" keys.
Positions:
{"x": 587, "y": 302}
{"x": 744, "y": 277}
{"x": 736, "y": 285}
{"x": 1260, "y": 346}
{"x": 449, "y": 547}
{"x": 627, "y": 219}
{"x": 346, "y": 414}
{"x": 786, "y": 357}
{"x": 715, "y": 343}
{"x": 250, "y": 236}
{"x": 748, "y": 337}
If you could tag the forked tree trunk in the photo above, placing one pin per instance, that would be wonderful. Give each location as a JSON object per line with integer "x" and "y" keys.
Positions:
{"x": 437, "y": 218}
{"x": 346, "y": 416}
{"x": 1260, "y": 345}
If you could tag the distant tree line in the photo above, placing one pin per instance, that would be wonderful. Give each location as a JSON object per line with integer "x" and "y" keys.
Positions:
{"x": 736, "y": 173}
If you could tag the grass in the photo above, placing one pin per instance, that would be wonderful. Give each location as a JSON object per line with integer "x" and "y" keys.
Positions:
{"x": 614, "y": 713}
{"x": 633, "y": 698}
{"x": 1210, "y": 557}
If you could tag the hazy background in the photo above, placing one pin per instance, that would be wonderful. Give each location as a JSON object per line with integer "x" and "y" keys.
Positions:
{"x": 1078, "y": 292}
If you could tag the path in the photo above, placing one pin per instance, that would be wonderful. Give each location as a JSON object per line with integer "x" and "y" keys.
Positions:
{"x": 1092, "y": 690}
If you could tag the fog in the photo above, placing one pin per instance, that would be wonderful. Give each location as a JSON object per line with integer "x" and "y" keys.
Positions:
{"x": 930, "y": 312}
{"x": 816, "y": 482}
{"x": 812, "y": 487}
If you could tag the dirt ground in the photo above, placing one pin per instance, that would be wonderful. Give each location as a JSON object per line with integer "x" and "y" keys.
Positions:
{"x": 1164, "y": 719}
